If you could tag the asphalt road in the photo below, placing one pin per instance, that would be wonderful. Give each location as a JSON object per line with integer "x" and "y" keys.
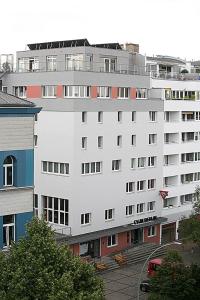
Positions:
{"x": 122, "y": 283}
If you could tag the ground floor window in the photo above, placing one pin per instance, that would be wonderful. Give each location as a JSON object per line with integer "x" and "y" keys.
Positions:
{"x": 151, "y": 231}
{"x": 8, "y": 230}
{"x": 112, "y": 240}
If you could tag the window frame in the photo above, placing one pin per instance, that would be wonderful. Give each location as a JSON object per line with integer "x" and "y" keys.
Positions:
{"x": 151, "y": 231}
{"x": 7, "y": 166}
{"x": 110, "y": 239}
{"x": 46, "y": 91}
{"x": 116, "y": 165}
{"x": 109, "y": 214}
{"x": 55, "y": 210}
{"x": 85, "y": 217}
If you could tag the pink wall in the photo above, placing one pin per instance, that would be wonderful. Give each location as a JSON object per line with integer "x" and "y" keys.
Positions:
{"x": 122, "y": 243}
{"x": 93, "y": 92}
{"x": 152, "y": 239}
{"x": 114, "y": 93}
{"x": 34, "y": 91}
{"x": 133, "y": 93}
{"x": 60, "y": 91}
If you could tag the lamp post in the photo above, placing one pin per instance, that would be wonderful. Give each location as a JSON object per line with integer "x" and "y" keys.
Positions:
{"x": 146, "y": 261}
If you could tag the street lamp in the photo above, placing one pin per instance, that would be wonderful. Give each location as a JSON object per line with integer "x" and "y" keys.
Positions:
{"x": 146, "y": 261}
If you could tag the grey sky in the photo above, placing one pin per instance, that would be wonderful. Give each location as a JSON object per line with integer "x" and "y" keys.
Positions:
{"x": 160, "y": 26}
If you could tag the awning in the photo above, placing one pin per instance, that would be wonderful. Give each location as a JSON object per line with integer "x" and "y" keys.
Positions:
{"x": 101, "y": 233}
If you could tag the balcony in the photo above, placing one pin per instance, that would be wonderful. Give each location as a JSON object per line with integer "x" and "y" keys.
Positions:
{"x": 171, "y": 138}
{"x": 171, "y": 116}
{"x": 170, "y": 181}
{"x": 174, "y": 75}
{"x": 171, "y": 160}
{"x": 78, "y": 65}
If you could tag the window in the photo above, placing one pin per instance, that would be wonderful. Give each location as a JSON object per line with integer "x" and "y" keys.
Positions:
{"x": 103, "y": 92}
{"x": 85, "y": 218}
{"x": 151, "y": 161}
{"x": 129, "y": 210}
{"x": 110, "y": 64}
{"x": 141, "y": 93}
{"x": 91, "y": 167}
{"x": 56, "y": 210}
{"x": 49, "y": 91}
{"x": 141, "y": 162}
{"x": 28, "y": 64}
{"x": 133, "y": 163}
{"x": 74, "y": 61}
{"x": 100, "y": 117}
{"x": 35, "y": 205}
{"x": 84, "y": 117}
{"x": 119, "y": 116}
{"x": 112, "y": 240}
{"x": 140, "y": 208}
{"x": 119, "y": 140}
{"x": 153, "y": 116}
{"x": 188, "y": 198}
{"x": 55, "y": 167}
{"x": 4, "y": 89}
{"x": 109, "y": 214}
{"x": 100, "y": 142}
{"x": 116, "y": 165}
{"x": 167, "y": 116}
{"x": 123, "y": 92}
{"x": 151, "y": 206}
{"x": 20, "y": 91}
{"x": 141, "y": 185}
{"x": 151, "y": 184}
{"x": 130, "y": 187}
{"x": 133, "y": 116}
{"x": 8, "y": 230}
{"x": 84, "y": 142}
{"x": 186, "y": 178}
{"x": 152, "y": 139}
{"x": 133, "y": 140}
{"x": 8, "y": 171}
{"x": 35, "y": 140}
{"x": 76, "y": 91}
{"x": 151, "y": 231}
{"x": 51, "y": 63}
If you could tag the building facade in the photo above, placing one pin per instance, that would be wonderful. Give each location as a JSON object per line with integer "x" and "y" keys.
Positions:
{"x": 16, "y": 164}
{"x": 110, "y": 140}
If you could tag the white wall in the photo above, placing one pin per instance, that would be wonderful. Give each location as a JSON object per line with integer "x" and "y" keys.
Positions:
{"x": 59, "y": 140}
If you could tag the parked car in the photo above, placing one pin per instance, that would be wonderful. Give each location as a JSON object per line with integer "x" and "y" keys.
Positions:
{"x": 145, "y": 286}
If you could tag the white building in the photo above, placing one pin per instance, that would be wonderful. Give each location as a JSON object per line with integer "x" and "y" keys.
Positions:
{"x": 109, "y": 141}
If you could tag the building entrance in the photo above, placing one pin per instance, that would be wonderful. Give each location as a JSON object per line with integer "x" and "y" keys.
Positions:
{"x": 137, "y": 236}
{"x": 91, "y": 248}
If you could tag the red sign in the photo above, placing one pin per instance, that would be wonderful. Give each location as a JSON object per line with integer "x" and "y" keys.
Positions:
{"x": 163, "y": 194}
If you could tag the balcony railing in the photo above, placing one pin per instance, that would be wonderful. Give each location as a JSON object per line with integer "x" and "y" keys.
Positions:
{"x": 78, "y": 65}
{"x": 175, "y": 76}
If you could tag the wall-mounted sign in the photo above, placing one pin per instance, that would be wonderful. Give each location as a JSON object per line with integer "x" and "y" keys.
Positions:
{"x": 145, "y": 220}
{"x": 163, "y": 194}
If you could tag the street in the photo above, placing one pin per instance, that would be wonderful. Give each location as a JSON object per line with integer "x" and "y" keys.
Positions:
{"x": 122, "y": 283}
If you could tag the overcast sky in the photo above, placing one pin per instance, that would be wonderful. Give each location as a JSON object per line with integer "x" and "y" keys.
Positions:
{"x": 170, "y": 27}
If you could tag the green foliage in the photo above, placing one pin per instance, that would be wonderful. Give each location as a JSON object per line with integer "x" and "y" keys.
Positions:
{"x": 174, "y": 280}
{"x": 38, "y": 269}
{"x": 189, "y": 229}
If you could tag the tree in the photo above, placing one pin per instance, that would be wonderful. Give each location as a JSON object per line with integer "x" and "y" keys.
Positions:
{"x": 174, "y": 280}
{"x": 38, "y": 269}
{"x": 189, "y": 229}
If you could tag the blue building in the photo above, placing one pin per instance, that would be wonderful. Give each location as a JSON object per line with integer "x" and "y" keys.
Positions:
{"x": 16, "y": 166}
